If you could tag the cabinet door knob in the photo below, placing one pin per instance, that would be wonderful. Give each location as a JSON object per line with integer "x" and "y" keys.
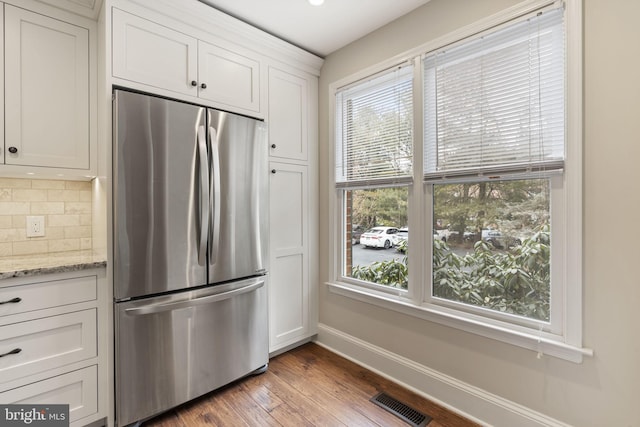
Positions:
{"x": 11, "y": 301}
{"x": 203, "y": 85}
{"x": 273, "y": 145}
{"x": 13, "y": 150}
{"x": 194, "y": 83}
{"x": 273, "y": 171}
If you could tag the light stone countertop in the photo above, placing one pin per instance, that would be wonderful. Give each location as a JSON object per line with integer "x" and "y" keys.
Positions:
{"x": 34, "y": 265}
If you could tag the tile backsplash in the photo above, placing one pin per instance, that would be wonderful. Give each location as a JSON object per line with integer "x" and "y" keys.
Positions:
{"x": 65, "y": 205}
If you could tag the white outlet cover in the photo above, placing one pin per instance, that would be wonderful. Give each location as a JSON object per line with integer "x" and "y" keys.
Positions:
{"x": 35, "y": 226}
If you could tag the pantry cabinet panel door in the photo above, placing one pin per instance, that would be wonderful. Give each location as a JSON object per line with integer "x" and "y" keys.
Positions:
{"x": 288, "y": 115}
{"x": 46, "y": 91}
{"x": 151, "y": 54}
{"x": 228, "y": 78}
{"x": 289, "y": 292}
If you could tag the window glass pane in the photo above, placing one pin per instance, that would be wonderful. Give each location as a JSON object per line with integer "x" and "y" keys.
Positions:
{"x": 376, "y": 236}
{"x": 491, "y": 245}
{"x": 496, "y": 102}
{"x": 374, "y": 129}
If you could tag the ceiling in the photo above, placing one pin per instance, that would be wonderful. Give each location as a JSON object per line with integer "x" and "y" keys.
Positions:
{"x": 317, "y": 29}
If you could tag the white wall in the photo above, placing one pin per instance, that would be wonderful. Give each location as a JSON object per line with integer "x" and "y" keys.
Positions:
{"x": 604, "y": 389}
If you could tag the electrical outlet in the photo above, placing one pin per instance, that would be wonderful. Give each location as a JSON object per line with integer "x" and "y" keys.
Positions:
{"x": 35, "y": 226}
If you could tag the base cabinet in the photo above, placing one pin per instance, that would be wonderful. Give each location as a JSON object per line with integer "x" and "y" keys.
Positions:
{"x": 78, "y": 389}
{"x": 53, "y": 342}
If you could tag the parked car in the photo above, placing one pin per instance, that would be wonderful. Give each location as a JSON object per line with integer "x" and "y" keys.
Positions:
{"x": 443, "y": 234}
{"x": 378, "y": 237}
{"x": 356, "y": 232}
{"x": 401, "y": 239}
{"x": 500, "y": 240}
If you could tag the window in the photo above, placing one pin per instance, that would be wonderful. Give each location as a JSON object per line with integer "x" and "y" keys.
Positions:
{"x": 494, "y": 124}
{"x": 495, "y": 244}
{"x": 374, "y": 166}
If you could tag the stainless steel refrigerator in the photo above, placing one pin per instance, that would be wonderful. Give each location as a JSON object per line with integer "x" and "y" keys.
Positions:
{"x": 190, "y": 222}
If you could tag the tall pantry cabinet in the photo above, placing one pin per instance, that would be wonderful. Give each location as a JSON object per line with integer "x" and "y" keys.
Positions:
{"x": 186, "y": 50}
{"x": 293, "y": 133}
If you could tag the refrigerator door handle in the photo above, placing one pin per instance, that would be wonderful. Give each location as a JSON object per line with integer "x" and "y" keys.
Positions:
{"x": 204, "y": 193}
{"x": 215, "y": 196}
{"x": 159, "y": 308}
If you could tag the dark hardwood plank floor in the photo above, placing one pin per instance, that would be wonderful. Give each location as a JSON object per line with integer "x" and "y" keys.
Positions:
{"x": 307, "y": 386}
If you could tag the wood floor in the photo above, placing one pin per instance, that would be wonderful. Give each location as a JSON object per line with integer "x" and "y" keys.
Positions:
{"x": 307, "y": 386}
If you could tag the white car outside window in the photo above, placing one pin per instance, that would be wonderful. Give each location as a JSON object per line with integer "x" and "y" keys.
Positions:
{"x": 379, "y": 237}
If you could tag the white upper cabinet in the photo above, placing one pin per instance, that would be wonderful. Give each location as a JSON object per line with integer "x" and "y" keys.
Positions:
{"x": 149, "y": 53}
{"x": 154, "y": 55}
{"x": 228, "y": 77}
{"x": 288, "y": 115}
{"x": 2, "y": 147}
{"x": 46, "y": 91}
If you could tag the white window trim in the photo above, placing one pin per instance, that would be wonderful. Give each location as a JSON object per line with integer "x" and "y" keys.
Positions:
{"x": 568, "y": 344}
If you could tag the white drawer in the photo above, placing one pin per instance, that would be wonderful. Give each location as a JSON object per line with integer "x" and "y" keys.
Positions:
{"x": 37, "y": 296}
{"x": 78, "y": 389}
{"x": 46, "y": 343}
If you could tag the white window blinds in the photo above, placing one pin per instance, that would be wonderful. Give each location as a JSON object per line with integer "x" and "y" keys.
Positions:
{"x": 374, "y": 126}
{"x": 496, "y": 104}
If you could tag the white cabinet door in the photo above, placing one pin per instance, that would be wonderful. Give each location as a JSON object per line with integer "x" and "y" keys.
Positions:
{"x": 148, "y": 53}
{"x": 289, "y": 277}
{"x": 78, "y": 389}
{"x": 154, "y": 55}
{"x": 46, "y": 91}
{"x": 288, "y": 115}
{"x": 228, "y": 78}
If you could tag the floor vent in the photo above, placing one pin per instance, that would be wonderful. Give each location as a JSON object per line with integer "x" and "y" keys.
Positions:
{"x": 400, "y": 410}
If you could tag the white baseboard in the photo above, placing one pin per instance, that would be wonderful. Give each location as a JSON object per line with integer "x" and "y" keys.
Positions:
{"x": 462, "y": 398}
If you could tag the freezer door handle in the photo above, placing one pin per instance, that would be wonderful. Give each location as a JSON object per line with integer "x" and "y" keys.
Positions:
{"x": 252, "y": 285}
{"x": 215, "y": 196}
{"x": 204, "y": 193}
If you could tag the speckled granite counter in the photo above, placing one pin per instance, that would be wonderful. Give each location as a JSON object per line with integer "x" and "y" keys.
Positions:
{"x": 34, "y": 265}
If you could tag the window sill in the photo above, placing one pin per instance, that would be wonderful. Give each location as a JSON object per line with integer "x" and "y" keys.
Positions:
{"x": 504, "y": 333}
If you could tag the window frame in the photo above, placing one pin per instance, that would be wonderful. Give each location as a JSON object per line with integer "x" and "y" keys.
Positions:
{"x": 564, "y": 338}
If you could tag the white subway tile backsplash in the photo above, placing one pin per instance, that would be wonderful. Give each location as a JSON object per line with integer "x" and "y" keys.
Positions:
{"x": 30, "y": 247}
{"x": 65, "y": 220}
{"x": 47, "y": 208}
{"x": 6, "y": 249}
{"x": 77, "y": 185}
{"x": 48, "y": 184}
{"x": 65, "y": 205}
{"x": 15, "y": 208}
{"x": 77, "y": 232}
{"x": 6, "y": 221}
{"x": 63, "y": 195}
{"x": 27, "y": 195}
{"x": 86, "y": 243}
{"x": 85, "y": 219}
{"x": 64, "y": 245}
{"x": 77, "y": 208}
{"x": 15, "y": 183}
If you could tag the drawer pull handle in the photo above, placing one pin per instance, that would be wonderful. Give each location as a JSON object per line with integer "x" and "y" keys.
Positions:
{"x": 14, "y": 351}
{"x": 11, "y": 301}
